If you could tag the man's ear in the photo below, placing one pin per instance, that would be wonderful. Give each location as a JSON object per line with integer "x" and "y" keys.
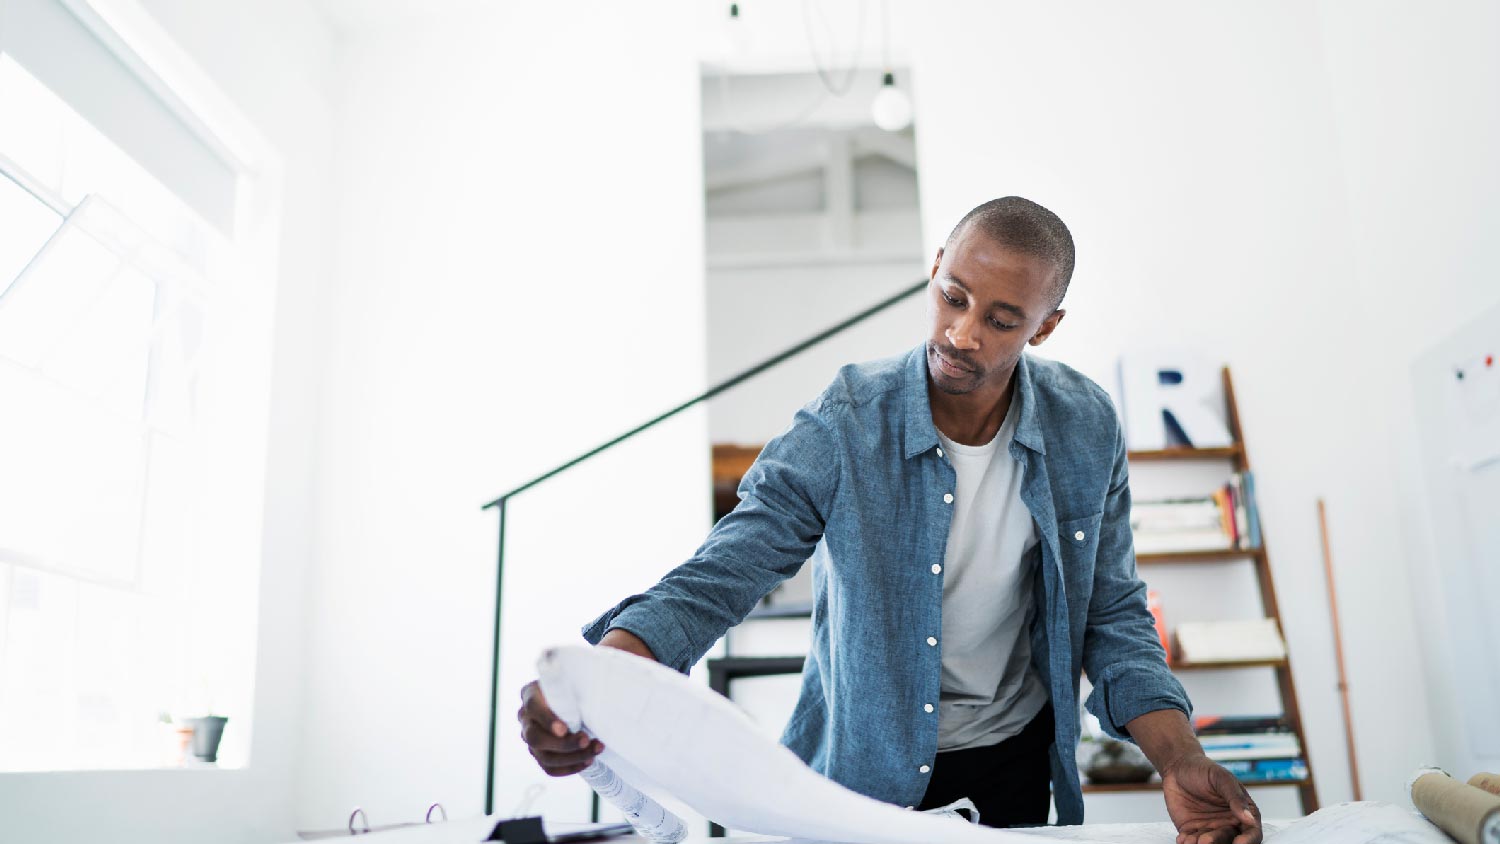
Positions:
{"x": 1048, "y": 326}
{"x": 936, "y": 262}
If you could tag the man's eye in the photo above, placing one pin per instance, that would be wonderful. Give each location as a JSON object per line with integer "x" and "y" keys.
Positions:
{"x": 952, "y": 301}
{"x": 1000, "y": 325}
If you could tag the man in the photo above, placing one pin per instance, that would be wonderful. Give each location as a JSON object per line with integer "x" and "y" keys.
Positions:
{"x": 966, "y": 511}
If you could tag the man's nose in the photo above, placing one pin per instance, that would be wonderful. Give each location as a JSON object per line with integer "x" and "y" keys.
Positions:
{"x": 961, "y": 335}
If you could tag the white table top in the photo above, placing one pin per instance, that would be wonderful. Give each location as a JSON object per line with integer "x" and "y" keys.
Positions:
{"x": 475, "y": 830}
{"x": 1345, "y": 823}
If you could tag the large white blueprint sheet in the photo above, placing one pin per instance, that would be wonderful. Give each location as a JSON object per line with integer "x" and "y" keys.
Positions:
{"x": 667, "y": 735}
{"x": 1345, "y": 823}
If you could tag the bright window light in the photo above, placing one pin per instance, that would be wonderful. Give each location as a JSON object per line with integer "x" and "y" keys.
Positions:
{"x": 59, "y": 285}
{"x": 28, "y": 224}
{"x": 127, "y": 584}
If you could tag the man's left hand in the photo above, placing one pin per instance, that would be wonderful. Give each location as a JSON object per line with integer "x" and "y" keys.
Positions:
{"x": 1208, "y": 805}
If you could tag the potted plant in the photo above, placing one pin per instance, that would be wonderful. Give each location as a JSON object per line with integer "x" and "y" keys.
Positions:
{"x": 208, "y": 730}
{"x": 177, "y": 738}
{"x": 1108, "y": 761}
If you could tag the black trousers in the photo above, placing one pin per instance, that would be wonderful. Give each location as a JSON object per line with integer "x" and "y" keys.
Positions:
{"x": 1010, "y": 782}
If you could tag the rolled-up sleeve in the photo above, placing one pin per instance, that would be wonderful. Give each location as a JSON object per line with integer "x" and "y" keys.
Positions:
{"x": 785, "y": 499}
{"x": 1122, "y": 653}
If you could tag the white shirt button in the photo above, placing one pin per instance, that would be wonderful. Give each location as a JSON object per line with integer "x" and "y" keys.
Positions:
{"x": 932, "y": 640}
{"x": 926, "y": 707}
{"x": 937, "y": 569}
{"x": 1078, "y": 536}
{"x": 947, "y": 498}
{"x": 940, "y": 452}
{"x": 924, "y": 769}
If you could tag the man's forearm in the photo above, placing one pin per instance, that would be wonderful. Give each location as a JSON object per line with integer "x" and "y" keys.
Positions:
{"x": 624, "y": 640}
{"x": 1165, "y": 736}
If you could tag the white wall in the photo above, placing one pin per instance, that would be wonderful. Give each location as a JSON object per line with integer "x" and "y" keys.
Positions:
{"x": 1418, "y": 119}
{"x": 287, "y": 100}
{"x": 520, "y": 279}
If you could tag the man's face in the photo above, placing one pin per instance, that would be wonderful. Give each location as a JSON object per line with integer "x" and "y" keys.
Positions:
{"x": 986, "y": 302}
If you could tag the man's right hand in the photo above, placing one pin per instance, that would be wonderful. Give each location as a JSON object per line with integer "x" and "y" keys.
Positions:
{"x": 557, "y": 750}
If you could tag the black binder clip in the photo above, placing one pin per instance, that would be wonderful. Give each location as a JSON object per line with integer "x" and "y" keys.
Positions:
{"x": 520, "y": 831}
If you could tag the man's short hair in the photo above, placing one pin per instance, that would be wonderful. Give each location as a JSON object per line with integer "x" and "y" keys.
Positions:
{"x": 1027, "y": 227}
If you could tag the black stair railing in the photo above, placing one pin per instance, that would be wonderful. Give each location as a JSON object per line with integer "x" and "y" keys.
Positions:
{"x": 729, "y": 384}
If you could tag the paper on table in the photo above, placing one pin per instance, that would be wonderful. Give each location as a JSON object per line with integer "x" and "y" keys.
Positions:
{"x": 1346, "y": 823}
{"x": 1361, "y": 823}
{"x": 1122, "y": 833}
{"x": 666, "y": 734}
{"x": 1116, "y": 833}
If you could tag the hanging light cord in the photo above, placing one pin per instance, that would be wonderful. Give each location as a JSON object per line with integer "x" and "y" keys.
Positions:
{"x": 838, "y": 87}
{"x": 885, "y": 36}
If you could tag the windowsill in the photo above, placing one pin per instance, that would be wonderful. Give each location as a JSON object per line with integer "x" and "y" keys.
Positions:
{"x": 204, "y": 770}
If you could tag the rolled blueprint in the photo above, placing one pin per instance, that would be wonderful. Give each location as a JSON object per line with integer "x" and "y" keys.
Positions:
{"x": 669, "y": 736}
{"x": 1488, "y": 782}
{"x": 1471, "y": 815}
{"x": 646, "y": 815}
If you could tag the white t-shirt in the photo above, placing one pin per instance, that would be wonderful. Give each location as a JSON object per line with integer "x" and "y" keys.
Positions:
{"x": 989, "y": 688}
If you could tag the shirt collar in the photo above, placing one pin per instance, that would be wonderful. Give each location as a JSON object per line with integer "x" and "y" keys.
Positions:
{"x": 921, "y": 434}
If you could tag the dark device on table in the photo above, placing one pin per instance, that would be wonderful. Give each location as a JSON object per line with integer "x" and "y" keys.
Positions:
{"x": 529, "y": 831}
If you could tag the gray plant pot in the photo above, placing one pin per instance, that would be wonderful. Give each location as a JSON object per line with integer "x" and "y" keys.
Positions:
{"x": 207, "y": 731}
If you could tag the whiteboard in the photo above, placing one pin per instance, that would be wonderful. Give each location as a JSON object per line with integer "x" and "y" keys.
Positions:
{"x": 1458, "y": 414}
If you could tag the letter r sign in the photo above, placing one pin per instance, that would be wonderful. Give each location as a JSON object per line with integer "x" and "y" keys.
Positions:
{"x": 1172, "y": 398}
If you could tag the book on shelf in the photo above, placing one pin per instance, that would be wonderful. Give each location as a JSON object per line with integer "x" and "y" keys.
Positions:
{"x": 1290, "y": 769}
{"x": 1241, "y": 510}
{"x": 1225, "y": 505}
{"x": 1210, "y": 725}
{"x": 1153, "y": 603}
{"x": 1230, "y": 641}
{"x": 1252, "y": 512}
{"x": 1251, "y": 746}
{"x": 1178, "y": 524}
{"x": 1223, "y": 520}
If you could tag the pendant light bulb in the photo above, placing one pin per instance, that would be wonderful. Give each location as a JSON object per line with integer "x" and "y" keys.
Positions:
{"x": 891, "y": 108}
{"x": 735, "y": 41}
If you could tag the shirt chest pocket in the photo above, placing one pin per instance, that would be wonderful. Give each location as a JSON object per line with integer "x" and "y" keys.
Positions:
{"x": 1078, "y": 543}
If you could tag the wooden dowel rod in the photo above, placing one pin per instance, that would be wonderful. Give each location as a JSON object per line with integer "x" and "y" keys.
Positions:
{"x": 1338, "y": 649}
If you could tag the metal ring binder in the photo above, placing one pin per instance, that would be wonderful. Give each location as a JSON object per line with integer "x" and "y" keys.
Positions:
{"x": 359, "y": 824}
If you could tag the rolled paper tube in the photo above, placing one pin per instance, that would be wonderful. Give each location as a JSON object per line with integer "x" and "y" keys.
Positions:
{"x": 1471, "y": 815}
{"x": 646, "y": 815}
{"x": 1488, "y": 782}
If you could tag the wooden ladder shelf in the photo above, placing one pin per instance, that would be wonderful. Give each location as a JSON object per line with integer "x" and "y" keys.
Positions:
{"x": 1239, "y": 458}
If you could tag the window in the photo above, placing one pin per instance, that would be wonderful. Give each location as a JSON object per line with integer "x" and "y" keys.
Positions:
{"x": 134, "y": 364}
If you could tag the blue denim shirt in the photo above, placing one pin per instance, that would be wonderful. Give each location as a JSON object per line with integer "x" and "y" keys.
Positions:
{"x": 856, "y": 484}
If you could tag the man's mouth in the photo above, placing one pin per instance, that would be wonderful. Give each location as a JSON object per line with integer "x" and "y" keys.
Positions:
{"x": 951, "y": 366}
